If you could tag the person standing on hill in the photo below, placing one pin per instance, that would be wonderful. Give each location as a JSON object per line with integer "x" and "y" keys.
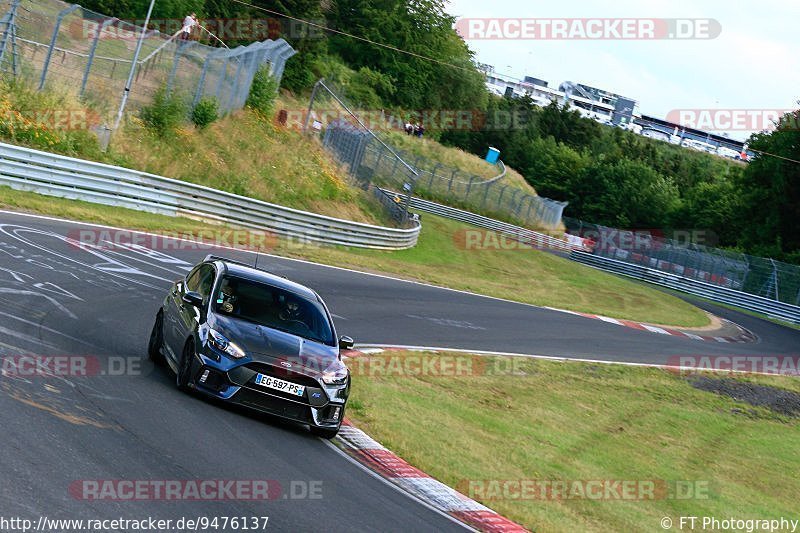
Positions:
{"x": 189, "y": 22}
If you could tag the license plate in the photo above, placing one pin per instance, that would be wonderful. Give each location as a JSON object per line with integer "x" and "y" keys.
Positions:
{"x": 279, "y": 384}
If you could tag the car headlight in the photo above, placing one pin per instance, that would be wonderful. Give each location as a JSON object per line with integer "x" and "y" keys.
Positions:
{"x": 221, "y": 343}
{"x": 335, "y": 374}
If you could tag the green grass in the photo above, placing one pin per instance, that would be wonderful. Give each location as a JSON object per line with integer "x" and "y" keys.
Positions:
{"x": 466, "y": 162}
{"x": 523, "y": 275}
{"x": 529, "y": 276}
{"x": 574, "y": 421}
{"x": 241, "y": 153}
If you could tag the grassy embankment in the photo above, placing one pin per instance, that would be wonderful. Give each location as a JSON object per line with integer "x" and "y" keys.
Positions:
{"x": 555, "y": 421}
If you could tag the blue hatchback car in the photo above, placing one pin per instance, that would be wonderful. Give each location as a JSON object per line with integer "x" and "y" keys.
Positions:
{"x": 246, "y": 336}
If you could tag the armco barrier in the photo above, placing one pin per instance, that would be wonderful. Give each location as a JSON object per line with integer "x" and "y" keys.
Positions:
{"x": 67, "y": 177}
{"x": 534, "y": 238}
{"x": 715, "y": 293}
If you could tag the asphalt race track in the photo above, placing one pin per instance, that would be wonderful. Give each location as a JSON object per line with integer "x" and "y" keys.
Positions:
{"x": 129, "y": 422}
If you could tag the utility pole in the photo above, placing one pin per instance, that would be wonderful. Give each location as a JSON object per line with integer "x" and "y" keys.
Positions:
{"x": 128, "y": 84}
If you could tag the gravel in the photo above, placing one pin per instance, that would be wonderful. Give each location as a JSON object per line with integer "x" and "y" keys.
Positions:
{"x": 781, "y": 401}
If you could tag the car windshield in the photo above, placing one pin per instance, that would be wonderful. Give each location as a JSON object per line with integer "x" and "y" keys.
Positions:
{"x": 273, "y": 307}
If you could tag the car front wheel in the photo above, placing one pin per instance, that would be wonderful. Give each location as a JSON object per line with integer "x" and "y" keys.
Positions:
{"x": 156, "y": 340}
{"x": 184, "y": 366}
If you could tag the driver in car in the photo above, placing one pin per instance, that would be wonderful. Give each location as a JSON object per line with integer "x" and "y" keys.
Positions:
{"x": 226, "y": 298}
{"x": 292, "y": 311}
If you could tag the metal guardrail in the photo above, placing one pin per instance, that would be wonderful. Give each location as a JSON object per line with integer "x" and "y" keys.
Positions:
{"x": 67, "y": 177}
{"x": 751, "y": 302}
{"x": 524, "y": 235}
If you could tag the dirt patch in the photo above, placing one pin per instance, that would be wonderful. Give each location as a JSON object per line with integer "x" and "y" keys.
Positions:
{"x": 781, "y": 401}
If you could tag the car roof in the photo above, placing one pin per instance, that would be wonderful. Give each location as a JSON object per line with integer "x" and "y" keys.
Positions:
{"x": 256, "y": 274}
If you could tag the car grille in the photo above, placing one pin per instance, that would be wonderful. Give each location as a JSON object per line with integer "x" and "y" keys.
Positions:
{"x": 283, "y": 373}
{"x": 273, "y": 405}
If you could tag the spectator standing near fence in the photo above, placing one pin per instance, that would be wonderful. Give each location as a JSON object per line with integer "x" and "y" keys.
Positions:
{"x": 189, "y": 22}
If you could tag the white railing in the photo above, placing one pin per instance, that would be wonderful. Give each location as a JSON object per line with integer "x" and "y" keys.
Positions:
{"x": 715, "y": 293}
{"x": 536, "y": 239}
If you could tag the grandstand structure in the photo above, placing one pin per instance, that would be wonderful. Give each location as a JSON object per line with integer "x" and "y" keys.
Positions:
{"x": 609, "y": 108}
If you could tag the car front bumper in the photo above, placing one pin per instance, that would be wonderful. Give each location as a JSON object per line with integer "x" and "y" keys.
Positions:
{"x": 233, "y": 381}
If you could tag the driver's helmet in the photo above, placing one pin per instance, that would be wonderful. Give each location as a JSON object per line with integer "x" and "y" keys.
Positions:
{"x": 290, "y": 309}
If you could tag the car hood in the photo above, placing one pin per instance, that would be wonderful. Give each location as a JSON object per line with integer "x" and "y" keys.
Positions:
{"x": 269, "y": 345}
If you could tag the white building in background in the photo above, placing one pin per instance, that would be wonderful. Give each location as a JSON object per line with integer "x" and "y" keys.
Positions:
{"x": 610, "y": 108}
{"x": 591, "y": 102}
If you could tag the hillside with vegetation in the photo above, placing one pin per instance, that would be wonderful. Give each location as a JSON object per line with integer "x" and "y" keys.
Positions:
{"x": 243, "y": 153}
{"x": 404, "y": 57}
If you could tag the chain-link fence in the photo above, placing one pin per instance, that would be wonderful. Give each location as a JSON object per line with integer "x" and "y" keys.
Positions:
{"x": 65, "y": 46}
{"x": 353, "y": 137}
{"x": 755, "y": 275}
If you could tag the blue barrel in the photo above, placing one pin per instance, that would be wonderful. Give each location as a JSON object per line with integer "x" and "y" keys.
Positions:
{"x": 492, "y": 155}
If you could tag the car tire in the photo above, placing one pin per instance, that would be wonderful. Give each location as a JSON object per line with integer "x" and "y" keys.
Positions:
{"x": 183, "y": 375}
{"x": 156, "y": 340}
{"x": 324, "y": 433}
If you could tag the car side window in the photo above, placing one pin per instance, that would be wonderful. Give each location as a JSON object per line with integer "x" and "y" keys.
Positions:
{"x": 193, "y": 279}
{"x": 206, "y": 282}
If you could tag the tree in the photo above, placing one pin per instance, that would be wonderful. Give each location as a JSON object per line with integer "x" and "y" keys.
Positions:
{"x": 770, "y": 189}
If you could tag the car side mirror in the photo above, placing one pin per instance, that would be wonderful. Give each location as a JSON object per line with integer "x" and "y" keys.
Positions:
{"x": 195, "y": 299}
{"x": 346, "y": 343}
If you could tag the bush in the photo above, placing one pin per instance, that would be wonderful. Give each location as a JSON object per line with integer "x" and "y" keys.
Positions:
{"x": 46, "y": 120}
{"x": 263, "y": 92}
{"x": 165, "y": 113}
{"x": 205, "y": 112}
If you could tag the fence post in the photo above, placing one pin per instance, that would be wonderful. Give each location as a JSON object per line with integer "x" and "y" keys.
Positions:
{"x": 469, "y": 186}
{"x": 378, "y": 159}
{"x": 175, "y": 61}
{"x": 47, "y": 58}
{"x": 235, "y": 86}
{"x": 450, "y": 183}
{"x": 221, "y": 80}
{"x": 511, "y": 202}
{"x": 502, "y": 192}
{"x": 10, "y": 36}
{"x": 530, "y": 205}
{"x": 202, "y": 81}
{"x": 394, "y": 168}
{"x": 311, "y": 106}
{"x": 90, "y": 60}
{"x": 433, "y": 175}
{"x": 485, "y": 194}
